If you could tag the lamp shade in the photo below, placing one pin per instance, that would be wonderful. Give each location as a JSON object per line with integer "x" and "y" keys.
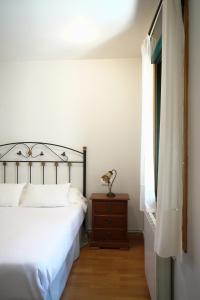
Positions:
{"x": 108, "y": 178}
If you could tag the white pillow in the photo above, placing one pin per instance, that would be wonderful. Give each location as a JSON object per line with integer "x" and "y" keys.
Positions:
{"x": 75, "y": 196}
{"x": 50, "y": 195}
{"x": 10, "y": 194}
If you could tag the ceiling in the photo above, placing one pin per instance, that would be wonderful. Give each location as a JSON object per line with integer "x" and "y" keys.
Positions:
{"x": 73, "y": 29}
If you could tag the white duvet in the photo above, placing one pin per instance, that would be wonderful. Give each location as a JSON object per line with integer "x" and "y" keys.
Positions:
{"x": 34, "y": 243}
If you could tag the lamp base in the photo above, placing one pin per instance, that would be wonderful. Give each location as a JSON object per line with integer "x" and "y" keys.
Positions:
{"x": 110, "y": 194}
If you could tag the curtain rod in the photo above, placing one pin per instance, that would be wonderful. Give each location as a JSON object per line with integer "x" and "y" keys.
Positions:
{"x": 153, "y": 23}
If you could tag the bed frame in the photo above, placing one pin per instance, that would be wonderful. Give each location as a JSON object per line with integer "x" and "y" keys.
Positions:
{"x": 30, "y": 153}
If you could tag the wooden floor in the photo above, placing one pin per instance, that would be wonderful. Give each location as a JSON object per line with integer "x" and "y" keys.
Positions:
{"x": 108, "y": 274}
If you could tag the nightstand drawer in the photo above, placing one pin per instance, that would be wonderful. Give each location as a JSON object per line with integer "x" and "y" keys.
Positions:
{"x": 109, "y": 208}
{"x": 109, "y": 234}
{"x": 109, "y": 221}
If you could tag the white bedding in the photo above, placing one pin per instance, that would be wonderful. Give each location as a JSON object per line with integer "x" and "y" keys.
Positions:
{"x": 34, "y": 243}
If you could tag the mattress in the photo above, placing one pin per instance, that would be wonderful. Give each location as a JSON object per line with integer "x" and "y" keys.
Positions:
{"x": 35, "y": 244}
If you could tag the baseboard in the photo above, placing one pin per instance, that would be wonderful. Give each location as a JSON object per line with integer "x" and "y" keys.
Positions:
{"x": 135, "y": 231}
{"x": 135, "y": 234}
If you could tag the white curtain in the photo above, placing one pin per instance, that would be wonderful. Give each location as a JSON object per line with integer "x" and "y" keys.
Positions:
{"x": 147, "y": 193}
{"x": 169, "y": 196}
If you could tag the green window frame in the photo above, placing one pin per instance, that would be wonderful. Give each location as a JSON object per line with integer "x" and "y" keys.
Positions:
{"x": 156, "y": 59}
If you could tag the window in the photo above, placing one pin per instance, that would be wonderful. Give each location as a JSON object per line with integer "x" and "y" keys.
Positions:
{"x": 157, "y": 61}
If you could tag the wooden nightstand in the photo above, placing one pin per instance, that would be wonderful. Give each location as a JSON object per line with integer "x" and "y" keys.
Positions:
{"x": 109, "y": 221}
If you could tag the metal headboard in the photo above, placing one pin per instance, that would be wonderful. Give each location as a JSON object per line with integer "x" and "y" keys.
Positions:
{"x": 36, "y": 153}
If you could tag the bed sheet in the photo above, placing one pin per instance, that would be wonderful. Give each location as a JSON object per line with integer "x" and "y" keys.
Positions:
{"x": 34, "y": 244}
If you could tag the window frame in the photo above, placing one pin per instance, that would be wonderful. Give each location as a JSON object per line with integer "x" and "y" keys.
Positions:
{"x": 156, "y": 60}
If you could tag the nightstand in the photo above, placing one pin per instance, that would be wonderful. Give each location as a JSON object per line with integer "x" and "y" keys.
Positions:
{"x": 109, "y": 221}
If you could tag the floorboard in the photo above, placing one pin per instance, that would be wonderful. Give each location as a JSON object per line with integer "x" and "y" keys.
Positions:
{"x": 106, "y": 274}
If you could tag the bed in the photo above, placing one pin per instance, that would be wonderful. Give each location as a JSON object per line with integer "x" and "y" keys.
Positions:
{"x": 39, "y": 244}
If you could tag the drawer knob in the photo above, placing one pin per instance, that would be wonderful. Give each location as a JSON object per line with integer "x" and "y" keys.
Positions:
{"x": 109, "y": 221}
{"x": 107, "y": 236}
{"x": 109, "y": 209}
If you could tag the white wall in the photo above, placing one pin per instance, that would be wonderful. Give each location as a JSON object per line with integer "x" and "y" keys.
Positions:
{"x": 75, "y": 103}
{"x": 187, "y": 269}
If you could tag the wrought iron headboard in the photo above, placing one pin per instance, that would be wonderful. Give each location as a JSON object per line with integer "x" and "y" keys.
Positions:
{"x": 35, "y": 153}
